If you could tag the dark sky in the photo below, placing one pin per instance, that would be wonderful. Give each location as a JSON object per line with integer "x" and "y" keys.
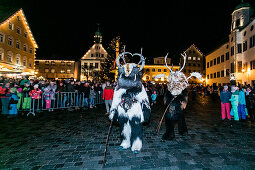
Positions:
{"x": 65, "y": 29}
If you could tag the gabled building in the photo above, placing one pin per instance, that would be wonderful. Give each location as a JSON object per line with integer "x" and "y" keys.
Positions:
{"x": 194, "y": 63}
{"x": 17, "y": 44}
{"x": 236, "y": 57}
{"x": 93, "y": 58}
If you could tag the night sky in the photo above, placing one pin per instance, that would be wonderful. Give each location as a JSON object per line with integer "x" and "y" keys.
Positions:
{"x": 65, "y": 29}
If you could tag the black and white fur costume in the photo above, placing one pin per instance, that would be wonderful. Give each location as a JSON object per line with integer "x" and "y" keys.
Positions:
{"x": 130, "y": 105}
{"x": 176, "y": 99}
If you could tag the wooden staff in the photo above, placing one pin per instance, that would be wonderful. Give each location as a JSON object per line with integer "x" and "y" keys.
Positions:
{"x": 106, "y": 144}
{"x": 161, "y": 120}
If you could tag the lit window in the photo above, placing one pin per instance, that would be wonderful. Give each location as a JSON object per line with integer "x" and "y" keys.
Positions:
{"x": 68, "y": 71}
{"x": 52, "y": 70}
{"x": 46, "y": 70}
{"x": 69, "y": 63}
{"x": 17, "y": 60}
{"x": 9, "y": 58}
{"x": 24, "y": 61}
{"x": 194, "y": 58}
{"x": 62, "y": 71}
{"x": 189, "y": 58}
{"x": 198, "y": 58}
{"x": 53, "y": 63}
{"x": 47, "y": 62}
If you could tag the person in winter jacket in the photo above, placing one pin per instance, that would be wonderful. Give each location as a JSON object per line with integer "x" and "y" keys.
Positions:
{"x": 25, "y": 93}
{"x": 241, "y": 104}
{"x": 86, "y": 91}
{"x": 92, "y": 96}
{"x": 108, "y": 96}
{"x": 13, "y": 100}
{"x": 234, "y": 102}
{"x": 225, "y": 95}
{"x": 19, "y": 94}
{"x": 153, "y": 97}
{"x": 4, "y": 91}
{"x": 36, "y": 96}
{"x": 61, "y": 89}
{"x": 250, "y": 102}
{"x": 46, "y": 95}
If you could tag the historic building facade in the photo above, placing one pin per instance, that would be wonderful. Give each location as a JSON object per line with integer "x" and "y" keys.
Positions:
{"x": 150, "y": 71}
{"x": 237, "y": 56}
{"x": 55, "y": 69}
{"x": 93, "y": 58}
{"x": 194, "y": 63}
{"x": 17, "y": 45}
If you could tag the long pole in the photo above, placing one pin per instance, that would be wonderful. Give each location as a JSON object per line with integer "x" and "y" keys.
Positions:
{"x": 106, "y": 144}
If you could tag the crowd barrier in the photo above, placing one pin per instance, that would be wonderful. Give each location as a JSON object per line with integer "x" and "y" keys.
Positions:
{"x": 58, "y": 100}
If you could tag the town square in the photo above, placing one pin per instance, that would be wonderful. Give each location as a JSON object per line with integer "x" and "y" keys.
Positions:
{"x": 127, "y": 84}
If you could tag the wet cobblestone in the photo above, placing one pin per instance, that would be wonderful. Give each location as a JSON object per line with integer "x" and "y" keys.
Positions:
{"x": 76, "y": 140}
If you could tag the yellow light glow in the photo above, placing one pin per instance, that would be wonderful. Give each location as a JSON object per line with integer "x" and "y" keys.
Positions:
{"x": 243, "y": 70}
{"x": 162, "y": 78}
{"x": 156, "y": 79}
{"x": 248, "y": 70}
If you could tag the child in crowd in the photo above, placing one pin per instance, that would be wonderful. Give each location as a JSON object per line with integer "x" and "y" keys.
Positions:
{"x": 153, "y": 97}
{"x": 46, "y": 95}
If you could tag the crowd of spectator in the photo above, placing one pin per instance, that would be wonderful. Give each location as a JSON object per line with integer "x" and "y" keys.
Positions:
{"x": 17, "y": 95}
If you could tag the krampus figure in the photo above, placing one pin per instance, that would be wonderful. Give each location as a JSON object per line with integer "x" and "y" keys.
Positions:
{"x": 175, "y": 100}
{"x": 130, "y": 105}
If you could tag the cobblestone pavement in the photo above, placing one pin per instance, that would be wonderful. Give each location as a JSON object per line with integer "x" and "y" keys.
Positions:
{"x": 76, "y": 140}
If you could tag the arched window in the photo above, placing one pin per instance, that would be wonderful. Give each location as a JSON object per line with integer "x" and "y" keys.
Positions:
{"x": 18, "y": 58}
{"x": 25, "y": 47}
{"x": 9, "y": 56}
{"x": 18, "y": 44}
{"x": 10, "y": 41}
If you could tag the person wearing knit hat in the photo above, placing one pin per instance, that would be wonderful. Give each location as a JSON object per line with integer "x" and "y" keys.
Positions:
{"x": 13, "y": 100}
{"x": 225, "y": 95}
{"x": 234, "y": 102}
{"x": 26, "y": 98}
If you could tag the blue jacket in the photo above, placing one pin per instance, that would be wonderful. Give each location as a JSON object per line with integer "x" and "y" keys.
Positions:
{"x": 242, "y": 97}
{"x": 225, "y": 96}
